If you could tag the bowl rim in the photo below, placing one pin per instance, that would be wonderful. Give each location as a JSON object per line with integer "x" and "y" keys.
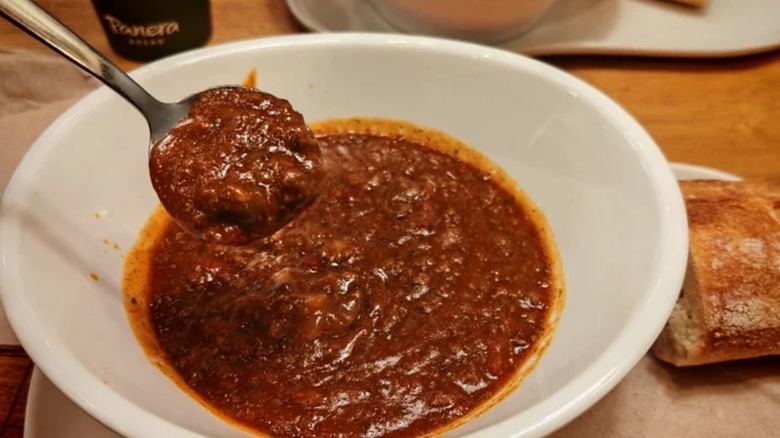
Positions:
{"x": 122, "y": 415}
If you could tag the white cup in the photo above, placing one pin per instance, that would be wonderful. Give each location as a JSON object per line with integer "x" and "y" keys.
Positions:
{"x": 486, "y": 21}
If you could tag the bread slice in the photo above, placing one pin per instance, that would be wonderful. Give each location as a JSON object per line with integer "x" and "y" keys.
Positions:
{"x": 729, "y": 307}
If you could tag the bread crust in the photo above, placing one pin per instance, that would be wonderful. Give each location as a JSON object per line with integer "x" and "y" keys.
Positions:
{"x": 730, "y": 304}
{"x": 697, "y": 3}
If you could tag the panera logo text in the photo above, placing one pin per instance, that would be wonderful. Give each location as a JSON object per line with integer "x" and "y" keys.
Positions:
{"x": 147, "y": 31}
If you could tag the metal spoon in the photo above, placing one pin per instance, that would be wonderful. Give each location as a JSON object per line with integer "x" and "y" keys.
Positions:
{"x": 160, "y": 116}
{"x": 238, "y": 205}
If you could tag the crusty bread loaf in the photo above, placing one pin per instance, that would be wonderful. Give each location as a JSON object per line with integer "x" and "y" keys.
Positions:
{"x": 729, "y": 307}
{"x": 697, "y": 3}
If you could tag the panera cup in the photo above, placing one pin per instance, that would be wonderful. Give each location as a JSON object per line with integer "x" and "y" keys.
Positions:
{"x": 486, "y": 21}
{"x": 143, "y": 30}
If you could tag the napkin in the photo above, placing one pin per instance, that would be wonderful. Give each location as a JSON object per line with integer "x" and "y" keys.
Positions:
{"x": 654, "y": 400}
{"x": 35, "y": 88}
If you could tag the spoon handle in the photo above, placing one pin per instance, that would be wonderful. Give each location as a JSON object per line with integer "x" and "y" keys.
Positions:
{"x": 32, "y": 19}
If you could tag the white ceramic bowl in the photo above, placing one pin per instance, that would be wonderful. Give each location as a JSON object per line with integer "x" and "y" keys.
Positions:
{"x": 486, "y": 21}
{"x": 607, "y": 191}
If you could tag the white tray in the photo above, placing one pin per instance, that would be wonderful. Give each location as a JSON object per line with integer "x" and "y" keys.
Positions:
{"x": 606, "y": 27}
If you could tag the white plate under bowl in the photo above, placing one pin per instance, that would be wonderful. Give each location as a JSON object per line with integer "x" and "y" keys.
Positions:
{"x": 50, "y": 413}
{"x": 601, "y": 27}
{"x": 606, "y": 189}
{"x": 684, "y": 171}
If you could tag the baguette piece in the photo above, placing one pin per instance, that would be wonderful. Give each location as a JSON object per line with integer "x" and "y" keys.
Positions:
{"x": 729, "y": 307}
{"x": 696, "y": 3}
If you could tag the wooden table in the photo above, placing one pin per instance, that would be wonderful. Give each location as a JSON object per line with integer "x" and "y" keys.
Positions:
{"x": 719, "y": 113}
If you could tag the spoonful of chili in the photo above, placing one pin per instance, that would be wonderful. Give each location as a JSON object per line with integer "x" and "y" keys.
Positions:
{"x": 230, "y": 164}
